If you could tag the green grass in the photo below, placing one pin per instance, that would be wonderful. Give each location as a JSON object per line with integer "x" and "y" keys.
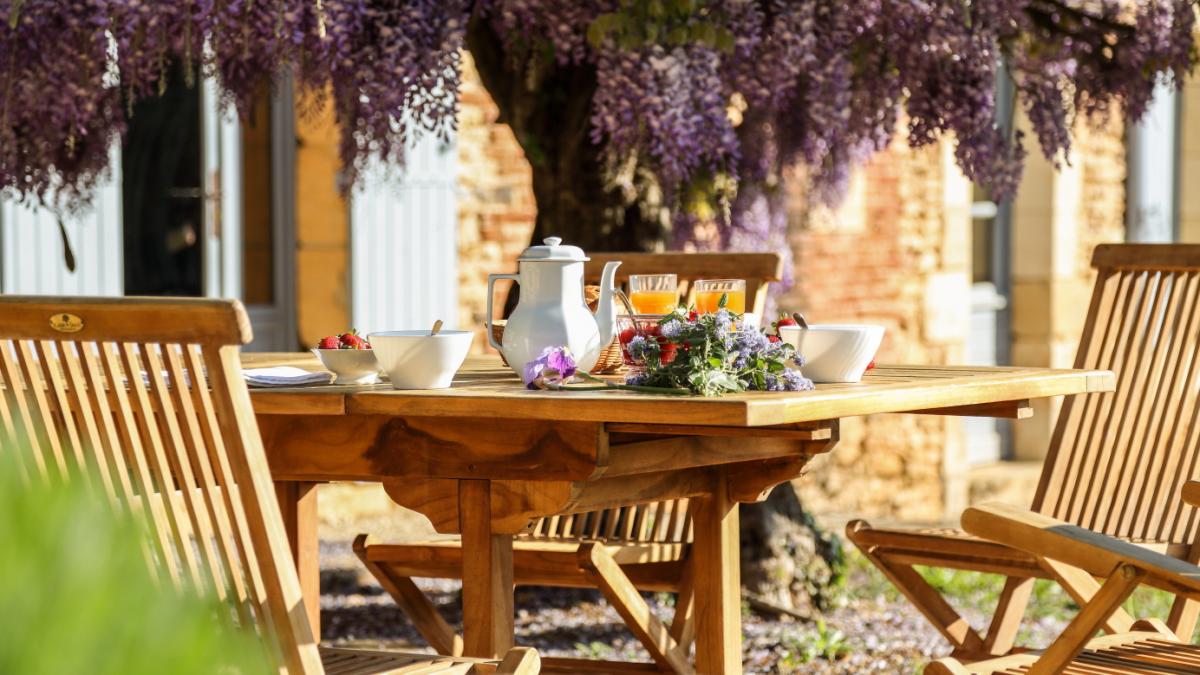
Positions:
{"x": 978, "y": 592}
{"x": 803, "y": 647}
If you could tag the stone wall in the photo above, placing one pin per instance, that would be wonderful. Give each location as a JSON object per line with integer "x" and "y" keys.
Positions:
{"x": 895, "y": 253}
{"x": 1060, "y": 214}
{"x": 496, "y": 208}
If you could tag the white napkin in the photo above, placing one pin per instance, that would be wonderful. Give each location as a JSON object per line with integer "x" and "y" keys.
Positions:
{"x": 285, "y": 376}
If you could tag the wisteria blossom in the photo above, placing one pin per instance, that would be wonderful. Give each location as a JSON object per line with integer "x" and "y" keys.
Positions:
{"x": 712, "y": 97}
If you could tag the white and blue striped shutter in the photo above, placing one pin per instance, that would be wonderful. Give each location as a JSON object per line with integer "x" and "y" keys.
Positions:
{"x": 32, "y": 260}
{"x": 404, "y": 254}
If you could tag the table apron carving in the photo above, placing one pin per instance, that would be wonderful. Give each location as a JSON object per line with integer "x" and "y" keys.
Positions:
{"x": 374, "y": 447}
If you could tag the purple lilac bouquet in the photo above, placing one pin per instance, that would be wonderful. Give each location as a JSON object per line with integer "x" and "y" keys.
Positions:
{"x": 714, "y": 354}
{"x": 706, "y": 355}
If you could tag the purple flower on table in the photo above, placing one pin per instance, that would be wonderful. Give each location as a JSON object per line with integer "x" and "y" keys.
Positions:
{"x": 671, "y": 329}
{"x": 792, "y": 380}
{"x": 724, "y": 320}
{"x": 788, "y": 380}
{"x": 640, "y": 348}
{"x": 637, "y": 379}
{"x": 552, "y": 369}
{"x": 748, "y": 343}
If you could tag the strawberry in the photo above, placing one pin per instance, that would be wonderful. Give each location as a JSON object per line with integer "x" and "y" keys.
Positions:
{"x": 773, "y": 338}
{"x": 353, "y": 340}
{"x": 627, "y": 335}
{"x": 331, "y": 342}
{"x": 871, "y": 364}
{"x": 784, "y": 320}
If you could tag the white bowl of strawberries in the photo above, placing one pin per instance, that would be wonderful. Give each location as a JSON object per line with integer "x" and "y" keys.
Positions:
{"x": 350, "y": 357}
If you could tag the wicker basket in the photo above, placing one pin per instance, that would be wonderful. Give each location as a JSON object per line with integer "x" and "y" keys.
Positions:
{"x": 610, "y": 360}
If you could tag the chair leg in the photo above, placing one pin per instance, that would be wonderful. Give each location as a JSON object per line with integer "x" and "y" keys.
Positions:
{"x": 1082, "y": 587}
{"x": 1182, "y": 620}
{"x": 625, "y": 598}
{"x": 1091, "y": 617}
{"x": 414, "y": 603}
{"x": 1006, "y": 621}
{"x": 928, "y": 601}
{"x": 683, "y": 625}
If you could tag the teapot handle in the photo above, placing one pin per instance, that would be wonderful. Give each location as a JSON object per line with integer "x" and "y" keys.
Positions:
{"x": 491, "y": 336}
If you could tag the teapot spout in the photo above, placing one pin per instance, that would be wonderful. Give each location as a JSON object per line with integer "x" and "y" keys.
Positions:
{"x": 606, "y": 320}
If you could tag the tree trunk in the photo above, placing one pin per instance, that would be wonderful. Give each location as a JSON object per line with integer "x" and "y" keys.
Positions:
{"x": 548, "y": 106}
{"x": 787, "y": 560}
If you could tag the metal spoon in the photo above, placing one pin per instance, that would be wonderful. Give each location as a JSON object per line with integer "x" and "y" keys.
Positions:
{"x": 800, "y": 319}
{"x": 437, "y": 327}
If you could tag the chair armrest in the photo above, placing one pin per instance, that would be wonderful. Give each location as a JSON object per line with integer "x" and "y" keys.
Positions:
{"x": 1095, "y": 553}
{"x": 1191, "y": 492}
{"x": 520, "y": 661}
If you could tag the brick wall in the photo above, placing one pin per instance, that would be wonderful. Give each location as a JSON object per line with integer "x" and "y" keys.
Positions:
{"x": 895, "y": 253}
{"x": 496, "y": 208}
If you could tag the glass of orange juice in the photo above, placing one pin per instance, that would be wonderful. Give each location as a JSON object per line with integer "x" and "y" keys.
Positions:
{"x": 653, "y": 293}
{"x": 709, "y": 292}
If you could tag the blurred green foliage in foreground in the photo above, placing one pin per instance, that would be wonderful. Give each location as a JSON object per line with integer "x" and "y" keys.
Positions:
{"x": 77, "y": 595}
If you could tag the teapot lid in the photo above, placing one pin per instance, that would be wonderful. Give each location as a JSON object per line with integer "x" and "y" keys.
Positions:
{"x": 552, "y": 250}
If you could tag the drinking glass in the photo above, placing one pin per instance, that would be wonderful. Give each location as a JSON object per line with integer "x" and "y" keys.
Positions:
{"x": 653, "y": 293}
{"x": 709, "y": 292}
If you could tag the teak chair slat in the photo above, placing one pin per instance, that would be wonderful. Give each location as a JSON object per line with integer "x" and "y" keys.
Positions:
{"x": 1116, "y": 461}
{"x": 1147, "y": 646}
{"x": 622, "y": 550}
{"x": 144, "y": 401}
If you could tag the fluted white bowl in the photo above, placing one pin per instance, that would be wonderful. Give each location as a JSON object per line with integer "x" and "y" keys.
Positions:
{"x": 834, "y": 352}
{"x": 414, "y": 359}
{"x": 351, "y": 366}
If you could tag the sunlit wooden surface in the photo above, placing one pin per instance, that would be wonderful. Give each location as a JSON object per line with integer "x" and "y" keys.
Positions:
{"x": 486, "y": 388}
{"x": 489, "y": 460}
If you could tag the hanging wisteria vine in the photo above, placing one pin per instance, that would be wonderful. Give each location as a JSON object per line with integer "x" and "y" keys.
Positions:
{"x": 711, "y": 91}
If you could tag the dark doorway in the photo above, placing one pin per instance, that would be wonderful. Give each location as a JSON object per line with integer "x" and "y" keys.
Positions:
{"x": 163, "y": 192}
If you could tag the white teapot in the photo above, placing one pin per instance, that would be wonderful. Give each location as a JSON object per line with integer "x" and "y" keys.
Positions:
{"x": 551, "y": 311}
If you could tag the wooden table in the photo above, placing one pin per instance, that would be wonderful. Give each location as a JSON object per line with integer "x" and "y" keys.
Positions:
{"x": 487, "y": 457}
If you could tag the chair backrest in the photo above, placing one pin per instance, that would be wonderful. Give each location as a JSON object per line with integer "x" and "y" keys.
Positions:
{"x": 144, "y": 399}
{"x": 1117, "y": 460}
{"x": 758, "y": 269}
{"x": 665, "y": 521}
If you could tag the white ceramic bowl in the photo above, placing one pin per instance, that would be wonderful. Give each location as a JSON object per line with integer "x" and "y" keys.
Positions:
{"x": 834, "y": 352}
{"x": 414, "y": 359}
{"x": 352, "y": 366}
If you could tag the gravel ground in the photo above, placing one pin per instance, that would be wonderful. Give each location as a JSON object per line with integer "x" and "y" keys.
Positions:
{"x": 872, "y": 631}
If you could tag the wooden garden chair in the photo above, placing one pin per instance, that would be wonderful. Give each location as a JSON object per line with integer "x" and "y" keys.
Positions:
{"x": 1146, "y": 647}
{"x": 621, "y": 551}
{"x": 1116, "y": 461}
{"x": 147, "y": 397}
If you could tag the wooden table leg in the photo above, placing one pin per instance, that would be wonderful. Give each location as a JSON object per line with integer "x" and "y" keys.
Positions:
{"x": 298, "y": 503}
{"x": 717, "y": 582}
{"x": 487, "y": 590}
